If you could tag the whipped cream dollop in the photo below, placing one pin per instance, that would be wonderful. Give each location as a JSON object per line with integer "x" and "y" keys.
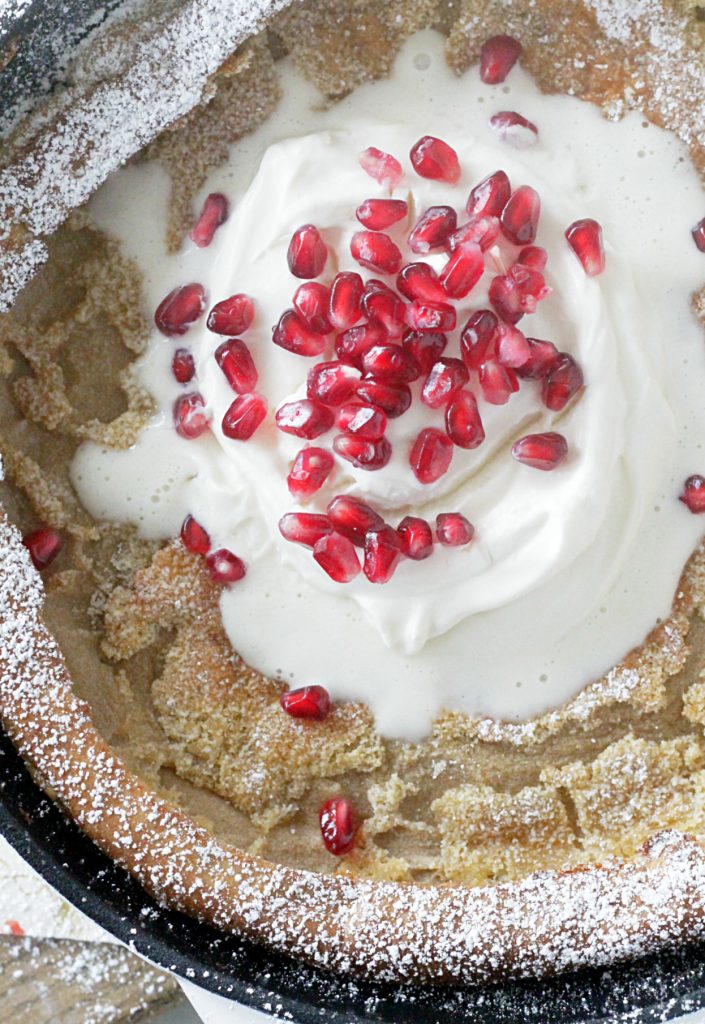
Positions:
{"x": 570, "y": 569}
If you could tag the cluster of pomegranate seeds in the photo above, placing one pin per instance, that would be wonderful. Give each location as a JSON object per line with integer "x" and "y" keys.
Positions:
{"x": 497, "y": 58}
{"x": 338, "y": 825}
{"x": 309, "y": 702}
{"x": 223, "y": 566}
{"x": 585, "y": 239}
{"x": 693, "y": 496}
{"x": 180, "y": 309}
{"x": 699, "y": 235}
{"x": 214, "y": 212}
{"x": 43, "y": 546}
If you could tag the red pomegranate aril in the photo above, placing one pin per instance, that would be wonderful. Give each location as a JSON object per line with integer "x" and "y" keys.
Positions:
{"x": 225, "y": 567}
{"x": 332, "y": 383}
{"x": 336, "y": 555}
{"x": 698, "y": 233}
{"x": 419, "y": 281}
{"x": 307, "y": 252}
{"x": 194, "y": 537}
{"x": 541, "y": 451}
{"x": 43, "y": 546}
{"x": 183, "y": 366}
{"x": 234, "y": 359}
{"x": 520, "y": 217}
{"x": 390, "y": 363}
{"x": 693, "y": 496}
{"x": 381, "y": 166}
{"x": 514, "y": 128}
{"x": 483, "y": 230}
{"x": 376, "y": 251}
{"x": 416, "y": 537}
{"x": 384, "y": 549}
{"x": 393, "y": 399}
{"x": 435, "y": 159}
{"x": 517, "y": 292}
{"x": 311, "y": 301}
{"x": 353, "y": 518}
{"x": 542, "y": 356}
{"x": 362, "y": 421}
{"x": 345, "y": 307}
{"x": 304, "y": 527}
{"x": 463, "y": 270}
{"x": 378, "y": 214}
{"x": 445, "y": 378}
{"x": 351, "y": 345}
{"x": 433, "y": 229}
{"x": 338, "y": 826}
{"x": 490, "y": 196}
{"x": 453, "y": 529}
{"x": 232, "y": 316}
{"x": 512, "y": 347}
{"x": 309, "y": 472}
{"x": 497, "y": 58}
{"x": 478, "y": 338}
{"x": 304, "y": 418}
{"x": 384, "y": 307}
{"x": 431, "y": 455}
{"x": 562, "y": 382}
{"x": 428, "y": 316}
{"x": 498, "y": 382}
{"x": 309, "y": 702}
{"x": 292, "y": 334}
{"x": 244, "y": 416}
{"x": 463, "y": 422}
{"x": 363, "y": 454}
{"x": 534, "y": 256}
{"x": 425, "y": 347}
{"x": 214, "y": 212}
{"x": 190, "y": 416}
{"x": 181, "y": 308}
{"x": 585, "y": 239}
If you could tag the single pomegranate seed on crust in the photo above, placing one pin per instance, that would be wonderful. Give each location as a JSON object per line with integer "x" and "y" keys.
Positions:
{"x": 699, "y": 235}
{"x": 562, "y": 382}
{"x": 311, "y": 301}
{"x": 463, "y": 270}
{"x": 181, "y": 308}
{"x": 390, "y": 363}
{"x": 244, "y": 416}
{"x": 512, "y": 347}
{"x": 305, "y": 418}
{"x": 232, "y": 316}
{"x": 541, "y": 451}
{"x": 417, "y": 538}
{"x": 190, "y": 416}
{"x": 445, "y": 378}
{"x": 310, "y": 702}
{"x": 194, "y": 537}
{"x": 463, "y": 422}
{"x": 379, "y": 214}
{"x": 393, "y": 399}
{"x": 384, "y": 307}
{"x": 431, "y": 455}
{"x": 353, "y": 518}
{"x": 363, "y": 454}
{"x": 309, "y": 472}
{"x": 514, "y": 128}
{"x": 433, "y": 229}
{"x": 478, "y": 338}
{"x": 497, "y": 58}
{"x": 336, "y": 555}
{"x": 542, "y": 356}
{"x": 345, "y": 307}
{"x": 292, "y": 334}
{"x": 376, "y": 251}
{"x": 419, "y": 281}
{"x": 520, "y": 217}
{"x": 483, "y": 230}
{"x": 362, "y": 421}
{"x": 43, "y": 546}
{"x": 213, "y": 213}
{"x": 453, "y": 529}
{"x": 384, "y": 550}
{"x": 498, "y": 382}
{"x": 351, "y": 345}
{"x": 433, "y": 158}
{"x": 425, "y": 347}
{"x": 381, "y": 166}
{"x": 585, "y": 239}
{"x": 225, "y": 567}
{"x": 338, "y": 826}
{"x": 182, "y": 366}
{"x": 429, "y": 316}
{"x": 307, "y": 252}
{"x": 693, "y": 496}
{"x": 304, "y": 527}
{"x": 490, "y": 196}
{"x": 517, "y": 292}
{"x": 234, "y": 359}
{"x": 534, "y": 256}
{"x": 332, "y": 383}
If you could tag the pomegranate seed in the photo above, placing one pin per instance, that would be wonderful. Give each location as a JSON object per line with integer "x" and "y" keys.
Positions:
{"x": 232, "y": 316}
{"x": 234, "y": 359}
{"x": 381, "y": 166}
{"x": 351, "y": 345}
{"x": 190, "y": 416}
{"x": 338, "y": 826}
{"x": 453, "y": 529}
{"x": 416, "y": 537}
{"x": 311, "y": 303}
{"x": 498, "y": 382}
{"x": 304, "y": 527}
{"x": 432, "y": 229}
{"x": 307, "y": 252}
{"x": 378, "y": 214}
{"x": 514, "y": 128}
{"x": 309, "y": 472}
{"x": 332, "y": 383}
{"x": 512, "y": 347}
{"x": 345, "y": 297}
{"x": 542, "y": 451}
{"x": 431, "y": 455}
{"x": 181, "y": 308}
{"x": 585, "y": 239}
{"x": 194, "y": 537}
{"x": 542, "y": 356}
{"x": 435, "y": 159}
{"x": 490, "y": 196}
{"x": 520, "y": 217}
{"x": 225, "y": 567}
{"x": 425, "y": 347}
{"x": 183, "y": 366}
{"x": 483, "y": 230}
{"x": 497, "y": 58}
{"x": 43, "y": 546}
{"x": 517, "y": 292}
{"x": 304, "y": 418}
{"x": 393, "y": 399}
{"x": 336, "y": 555}
{"x": 534, "y": 256}
{"x": 463, "y": 270}
{"x": 478, "y": 339}
{"x": 419, "y": 281}
{"x": 445, "y": 378}
{"x": 244, "y": 417}
{"x": 390, "y": 363}
{"x": 430, "y": 317}
{"x": 363, "y": 454}
{"x": 311, "y": 702}
{"x": 362, "y": 421}
{"x": 693, "y": 496}
{"x": 292, "y": 334}
{"x": 384, "y": 549}
{"x": 214, "y": 212}
{"x": 383, "y": 306}
{"x": 376, "y": 251}
{"x": 562, "y": 382}
{"x": 463, "y": 423}
{"x": 352, "y": 518}
{"x": 699, "y": 235}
